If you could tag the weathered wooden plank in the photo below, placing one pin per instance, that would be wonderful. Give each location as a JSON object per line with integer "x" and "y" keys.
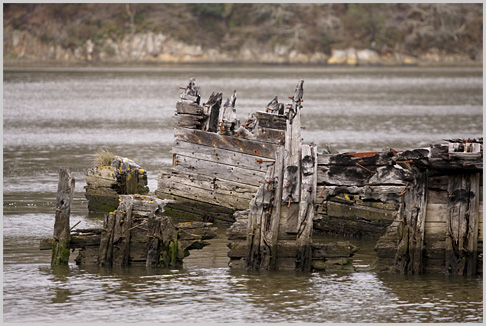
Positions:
{"x": 260, "y": 210}
{"x": 216, "y": 196}
{"x": 271, "y": 120}
{"x": 169, "y": 177}
{"x": 437, "y": 212}
{"x": 214, "y": 105}
{"x": 183, "y": 107}
{"x": 306, "y": 207}
{"x": 270, "y": 135}
{"x": 293, "y": 144}
{"x": 218, "y": 170}
{"x": 408, "y": 259}
{"x": 220, "y": 155}
{"x": 121, "y": 237}
{"x": 252, "y": 147}
{"x": 435, "y": 228}
{"x": 463, "y": 221}
{"x": 182, "y": 206}
{"x": 270, "y": 228}
{"x": 62, "y": 236}
{"x": 350, "y": 159}
{"x": 357, "y": 176}
{"x": 106, "y": 241}
{"x": 359, "y": 212}
{"x": 188, "y": 120}
{"x": 385, "y": 194}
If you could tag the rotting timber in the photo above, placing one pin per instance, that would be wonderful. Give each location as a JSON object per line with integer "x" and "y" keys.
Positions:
{"x": 423, "y": 205}
{"x": 136, "y": 233}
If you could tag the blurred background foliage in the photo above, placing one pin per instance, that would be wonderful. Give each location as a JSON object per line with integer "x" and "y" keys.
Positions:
{"x": 411, "y": 28}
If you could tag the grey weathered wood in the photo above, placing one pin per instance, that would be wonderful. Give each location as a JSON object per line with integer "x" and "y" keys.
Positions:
{"x": 214, "y": 105}
{"x": 271, "y": 120}
{"x": 409, "y": 256}
{"x": 252, "y": 147}
{"x": 270, "y": 135}
{"x": 62, "y": 235}
{"x": 270, "y": 227}
{"x": 188, "y": 120}
{"x": 106, "y": 242}
{"x": 306, "y": 208}
{"x": 218, "y": 170}
{"x": 224, "y": 156}
{"x": 189, "y": 108}
{"x": 462, "y": 224}
{"x": 363, "y": 158}
{"x": 192, "y": 92}
{"x": 154, "y": 238}
{"x": 121, "y": 237}
{"x": 168, "y": 177}
{"x": 357, "y": 176}
{"x": 260, "y": 210}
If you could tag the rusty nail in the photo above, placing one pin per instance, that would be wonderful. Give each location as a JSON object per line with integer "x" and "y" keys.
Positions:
{"x": 180, "y": 87}
{"x": 302, "y": 128}
{"x": 407, "y": 161}
{"x": 259, "y": 160}
{"x": 289, "y": 203}
{"x": 364, "y": 168}
{"x": 322, "y": 191}
{"x": 287, "y": 185}
{"x": 291, "y": 97}
{"x": 404, "y": 189}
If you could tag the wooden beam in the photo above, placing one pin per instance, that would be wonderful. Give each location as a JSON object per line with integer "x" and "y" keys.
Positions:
{"x": 62, "y": 235}
{"x": 246, "y": 146}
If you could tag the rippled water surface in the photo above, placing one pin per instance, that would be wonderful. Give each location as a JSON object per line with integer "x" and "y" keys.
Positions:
{"x": 56, "y": 117}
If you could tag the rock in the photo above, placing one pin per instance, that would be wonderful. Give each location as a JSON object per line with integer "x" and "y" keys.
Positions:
{"x": 368, "y": 57}
{"x": 341, "y": 57}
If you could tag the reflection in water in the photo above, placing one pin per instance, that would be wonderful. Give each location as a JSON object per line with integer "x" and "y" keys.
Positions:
{"x": 59, "y": 117}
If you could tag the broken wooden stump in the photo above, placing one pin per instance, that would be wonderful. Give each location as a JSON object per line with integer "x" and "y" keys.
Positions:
{"x": 106, "y": 183}
{"x": 137, "y": 233}
{"x": 61, "y": 238}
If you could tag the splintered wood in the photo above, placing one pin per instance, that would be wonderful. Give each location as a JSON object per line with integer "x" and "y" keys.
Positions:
{"x": 62, "y": 235}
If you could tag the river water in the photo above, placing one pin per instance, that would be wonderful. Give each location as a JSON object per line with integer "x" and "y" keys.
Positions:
{"x": 56, "y": 117}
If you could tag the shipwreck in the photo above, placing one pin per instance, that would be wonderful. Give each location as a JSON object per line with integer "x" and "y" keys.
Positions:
{"x": 273, "y": 191}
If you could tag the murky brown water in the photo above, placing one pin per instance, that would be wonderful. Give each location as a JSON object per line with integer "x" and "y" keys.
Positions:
{"x": 60, "y": 117}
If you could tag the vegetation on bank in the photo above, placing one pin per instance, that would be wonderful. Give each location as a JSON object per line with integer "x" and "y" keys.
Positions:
{"x": 410, "y": 29}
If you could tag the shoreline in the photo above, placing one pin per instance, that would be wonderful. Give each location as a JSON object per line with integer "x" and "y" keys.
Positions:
{"x": 27, "y": 63}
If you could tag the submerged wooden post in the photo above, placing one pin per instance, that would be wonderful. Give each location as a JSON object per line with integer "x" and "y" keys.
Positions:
{"x": 408, "y": 258}
{"x": 272, "y": 221}
{"x": 260, "y": 210}
{"x": 462, "y": 224}
{"x": 306, "y": 207}
{"x": 61, "y": 237}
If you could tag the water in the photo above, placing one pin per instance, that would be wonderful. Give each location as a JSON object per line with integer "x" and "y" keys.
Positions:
{"x": 56, "y": 117}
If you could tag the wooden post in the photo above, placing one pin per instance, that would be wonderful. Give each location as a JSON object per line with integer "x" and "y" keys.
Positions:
{"x": 154, "y": 239}
{"x": 260, "y": 209}
{"x": 121, "y": 233}
{"x": 306, "y": 207}
{"x": 462, "y": 224}
{"x": 271, "y": 225}
{"x": 408, "y": 258}
{"x": 61, "y": 237}
{"x": 106, "y": 241}
{"x": 293, "y": 144}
